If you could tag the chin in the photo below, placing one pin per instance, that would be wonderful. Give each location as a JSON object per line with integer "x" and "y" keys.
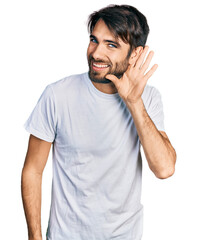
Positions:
{"x": 98, "y": 79}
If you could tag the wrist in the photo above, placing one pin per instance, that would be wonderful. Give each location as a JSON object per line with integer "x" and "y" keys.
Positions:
{"x": 37, "y": 237}
{"x": 135, "y": 105}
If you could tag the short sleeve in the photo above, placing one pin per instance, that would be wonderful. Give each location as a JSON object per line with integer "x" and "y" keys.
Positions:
{"x": 154, "y": 107}
{"x": 42, "y": 121}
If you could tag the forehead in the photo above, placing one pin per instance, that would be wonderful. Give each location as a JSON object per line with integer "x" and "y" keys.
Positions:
{"x": 101, "y": 31}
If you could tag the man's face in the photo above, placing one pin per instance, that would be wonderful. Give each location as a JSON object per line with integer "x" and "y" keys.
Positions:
{"x": 106, "y": 54}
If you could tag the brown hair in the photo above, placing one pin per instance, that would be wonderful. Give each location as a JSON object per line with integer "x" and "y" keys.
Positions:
{"x": 124, "y": 21}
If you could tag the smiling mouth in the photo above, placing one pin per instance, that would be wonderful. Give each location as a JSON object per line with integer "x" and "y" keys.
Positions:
{"x": 99, "y": 66}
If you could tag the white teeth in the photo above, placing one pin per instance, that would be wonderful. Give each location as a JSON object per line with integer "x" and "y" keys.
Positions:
{"x": 100, "y": 66}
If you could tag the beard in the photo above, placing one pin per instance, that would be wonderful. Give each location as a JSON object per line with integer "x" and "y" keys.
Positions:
{"x": 117, "y": 69}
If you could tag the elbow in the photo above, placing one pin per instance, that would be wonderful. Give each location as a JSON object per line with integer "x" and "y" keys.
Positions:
{"x": 166, "y": 173}
{"x": 168, "y": 170}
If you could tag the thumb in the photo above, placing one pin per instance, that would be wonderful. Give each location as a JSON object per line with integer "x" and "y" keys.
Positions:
{"x": 113, "y": 78}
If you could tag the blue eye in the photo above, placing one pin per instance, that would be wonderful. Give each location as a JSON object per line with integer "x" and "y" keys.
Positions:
{"x": 112, "y": 45}
{"x": 93, "y": 40}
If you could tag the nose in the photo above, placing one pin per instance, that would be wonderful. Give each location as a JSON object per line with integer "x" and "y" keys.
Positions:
{"x": 98, "y": 52}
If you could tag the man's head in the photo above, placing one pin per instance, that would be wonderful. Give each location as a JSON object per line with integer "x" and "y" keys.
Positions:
{"x": 116, "y": 34}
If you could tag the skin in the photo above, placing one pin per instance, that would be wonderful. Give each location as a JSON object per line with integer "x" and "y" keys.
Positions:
{"x": 105, "y": 49}
{"x": 132, "y": 78}
{"x": 159, "y": 152}
{"x": 35, "y": 161}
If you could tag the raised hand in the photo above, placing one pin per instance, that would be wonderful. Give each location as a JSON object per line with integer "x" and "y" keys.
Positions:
{"x": 131, "y": 85}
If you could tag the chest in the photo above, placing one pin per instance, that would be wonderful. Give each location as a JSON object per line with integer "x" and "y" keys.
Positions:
{"x": 94, "y": 126}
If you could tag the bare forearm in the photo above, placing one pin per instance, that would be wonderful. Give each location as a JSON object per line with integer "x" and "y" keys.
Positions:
{"x": 31, "y": 195}
{"x": 159, "y": 152}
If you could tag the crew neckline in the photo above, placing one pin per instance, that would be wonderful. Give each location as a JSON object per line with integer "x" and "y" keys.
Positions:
{"x": 98, "y": 92}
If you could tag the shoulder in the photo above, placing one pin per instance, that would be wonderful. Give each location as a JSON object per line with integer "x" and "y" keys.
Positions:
{"x": 150, "y": 92}
{"x": 150, "y": 95}
{"x": 66, "y": 86}
{"x": 66, "y": 89}
{"x": 66, "y": 82}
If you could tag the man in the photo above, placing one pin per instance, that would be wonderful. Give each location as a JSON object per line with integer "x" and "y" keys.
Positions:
{"x": 96, "y": 122}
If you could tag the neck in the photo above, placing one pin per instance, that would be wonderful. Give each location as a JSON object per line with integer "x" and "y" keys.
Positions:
{"x": 108, "y": 88}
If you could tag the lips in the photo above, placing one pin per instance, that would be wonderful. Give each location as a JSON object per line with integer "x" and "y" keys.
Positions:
{"x": 99, "y": 66}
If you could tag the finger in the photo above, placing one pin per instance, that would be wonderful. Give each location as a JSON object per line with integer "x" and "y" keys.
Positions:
{"x": 113, "y": 78}
{"x": 147, "y": 62}
{"x": 150, "y": 72}
{"x": 140, "y": 60}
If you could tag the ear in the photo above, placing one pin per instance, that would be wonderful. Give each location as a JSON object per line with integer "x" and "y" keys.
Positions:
{"x": 135, "y": 55}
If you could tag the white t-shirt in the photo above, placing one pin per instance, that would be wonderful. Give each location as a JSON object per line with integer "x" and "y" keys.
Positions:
{"x": 97, "y": 165}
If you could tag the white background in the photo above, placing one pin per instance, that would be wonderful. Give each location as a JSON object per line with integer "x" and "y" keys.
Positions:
{"x": 44, "y": 41}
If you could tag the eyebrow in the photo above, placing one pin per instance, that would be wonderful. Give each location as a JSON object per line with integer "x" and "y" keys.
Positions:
{"x": 108, "y": 41}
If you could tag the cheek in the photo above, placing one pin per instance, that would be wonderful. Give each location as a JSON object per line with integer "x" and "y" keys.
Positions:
{"x": 118, "y": 58}
{"x": 114, "y": 60}
{"x": 90, "y": 49}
